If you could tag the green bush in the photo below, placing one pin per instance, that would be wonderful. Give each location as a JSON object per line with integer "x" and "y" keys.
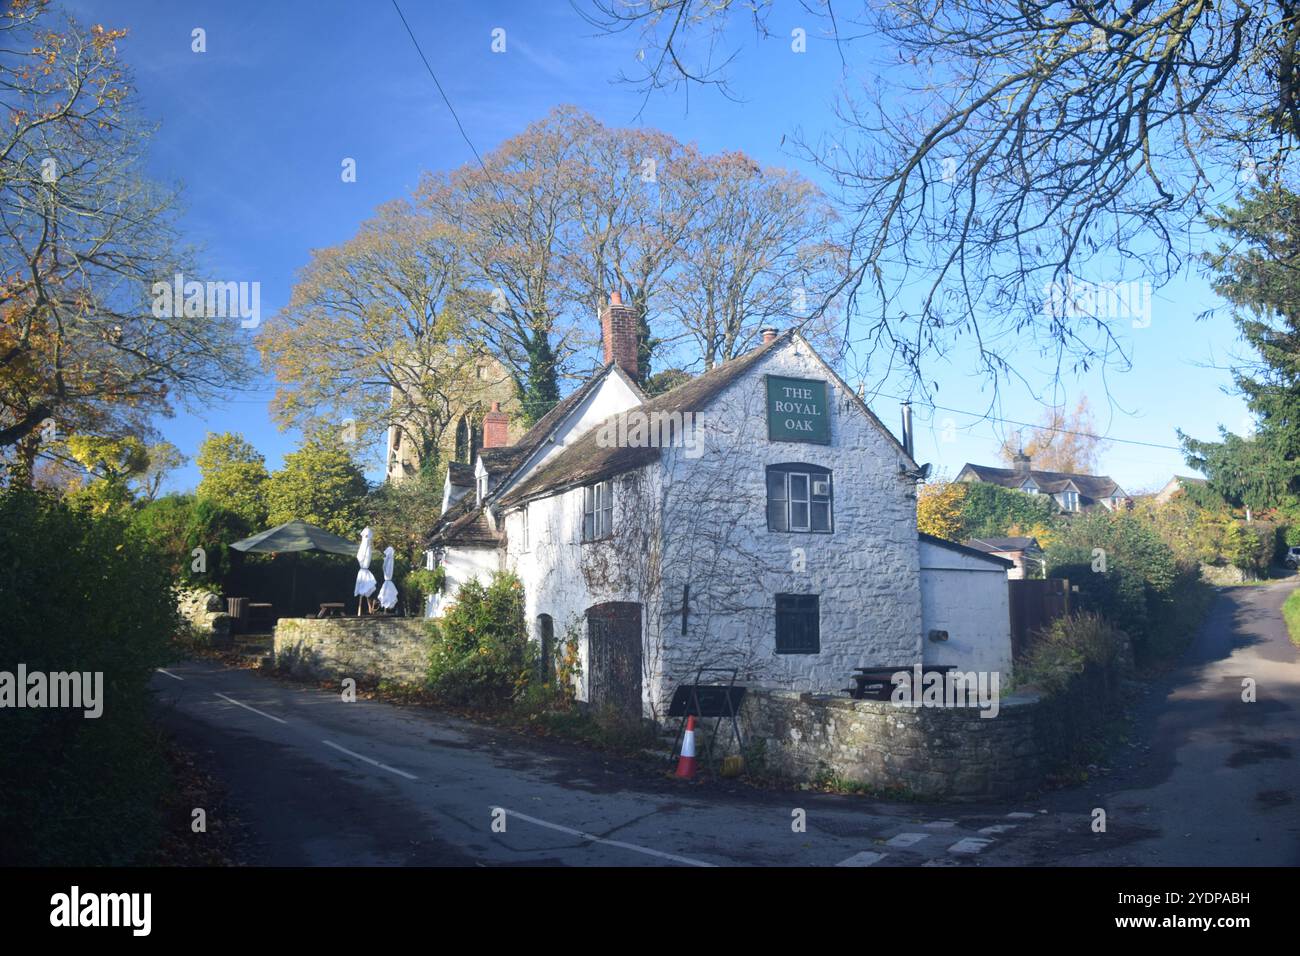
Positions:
{"x": 1067, "y": 647}
{"x": 480, "y": 654}
{"x": 81, "y": 594}
{"x": 1126, "y": 572}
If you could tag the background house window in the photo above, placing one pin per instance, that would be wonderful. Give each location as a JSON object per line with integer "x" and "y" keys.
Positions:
{"x": 798, "y": 498}
{"x": 1070, "y": 500}
{"x": 798, "y": 624}
{"x": 597, "y": 511}
{"x": 524, "y": 537}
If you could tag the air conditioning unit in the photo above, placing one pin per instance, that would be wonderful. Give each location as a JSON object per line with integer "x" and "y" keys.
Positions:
{"x": 821, "y": 487}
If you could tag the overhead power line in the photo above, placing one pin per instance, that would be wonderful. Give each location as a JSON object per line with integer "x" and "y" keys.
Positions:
{"x": 460, "y": 126}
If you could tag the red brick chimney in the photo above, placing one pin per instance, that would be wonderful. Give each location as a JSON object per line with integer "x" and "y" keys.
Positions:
{"x": 769, "y": 335}
{"x": 618, "y": 328}
{"x": 496, "y": 427}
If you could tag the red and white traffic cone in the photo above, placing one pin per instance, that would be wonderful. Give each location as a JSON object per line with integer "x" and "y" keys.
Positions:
{"x": 686, "y": 763}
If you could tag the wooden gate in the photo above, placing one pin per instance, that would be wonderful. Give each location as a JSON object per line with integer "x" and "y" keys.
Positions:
{"x": 1035, "y": 603}
{"x": 614, "y": 656}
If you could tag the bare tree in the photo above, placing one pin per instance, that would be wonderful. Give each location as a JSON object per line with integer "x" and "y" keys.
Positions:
{"x": 707, "y": 247}
{"x": 376, "y": 334}
{"x": 1006, "y": 149}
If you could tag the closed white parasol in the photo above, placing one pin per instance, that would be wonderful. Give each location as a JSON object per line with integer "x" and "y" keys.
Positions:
{"x": 388, "y": 593}
{"x": 365, "y": 580}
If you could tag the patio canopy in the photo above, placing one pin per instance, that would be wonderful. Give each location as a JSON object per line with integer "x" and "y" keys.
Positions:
{"x": 296, "y": 536}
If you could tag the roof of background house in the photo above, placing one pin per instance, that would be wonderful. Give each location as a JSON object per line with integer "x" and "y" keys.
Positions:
{"x": 1050, "y": 482}
{"x": 461, "y": 474}
{"x": 1003, "y": 544}
{"x": 964, "y": 549}
{"x": 586, "y": 460}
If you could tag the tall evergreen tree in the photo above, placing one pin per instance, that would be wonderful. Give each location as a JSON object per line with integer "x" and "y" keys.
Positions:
{"x": 1257, "y": 271}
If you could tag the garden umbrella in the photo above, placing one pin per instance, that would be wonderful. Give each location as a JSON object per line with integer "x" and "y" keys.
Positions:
{"x": 365, "y": 580}
{"x": 295, "y": 536}
{"x": 388, "y": 593}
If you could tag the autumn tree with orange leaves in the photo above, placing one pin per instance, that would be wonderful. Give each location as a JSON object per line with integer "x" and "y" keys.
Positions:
{"x": 1065, "y": 441}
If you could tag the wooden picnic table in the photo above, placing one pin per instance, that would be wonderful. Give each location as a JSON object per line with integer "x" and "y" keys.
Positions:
{"x": 876, "y": 683}
{"x": 330, "y": 610}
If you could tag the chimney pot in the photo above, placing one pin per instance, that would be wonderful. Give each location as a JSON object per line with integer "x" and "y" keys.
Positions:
{"x": 1020, "y": 463}
{"x": 620, "y": 334}
{"x": 769, "y": 335}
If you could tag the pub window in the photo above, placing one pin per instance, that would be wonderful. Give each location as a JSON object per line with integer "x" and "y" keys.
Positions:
{"x": 798, "y": 624}
{"x": 597, "y": 511}
{"x": 799, "y": 498}
{"x": 524, "y": 536}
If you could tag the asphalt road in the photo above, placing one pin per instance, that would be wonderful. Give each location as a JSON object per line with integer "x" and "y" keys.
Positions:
{"x": 314, "y": 780}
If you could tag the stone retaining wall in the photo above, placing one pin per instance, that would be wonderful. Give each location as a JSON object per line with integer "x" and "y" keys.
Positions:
{"x": 937, "y": 753}
{"x": 394, "y": 649}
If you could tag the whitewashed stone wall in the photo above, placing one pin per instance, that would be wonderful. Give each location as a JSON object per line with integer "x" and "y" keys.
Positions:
{"x": 463, "y": 564}
{"x": 563, "y": 576}
{"x": 717, "y": 540}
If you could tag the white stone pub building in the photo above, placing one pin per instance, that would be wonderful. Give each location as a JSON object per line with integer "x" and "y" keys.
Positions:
{"x": 759, "y": 516}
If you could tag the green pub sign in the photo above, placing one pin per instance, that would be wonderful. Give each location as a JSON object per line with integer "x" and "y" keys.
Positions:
{"x": 797, "y": 410}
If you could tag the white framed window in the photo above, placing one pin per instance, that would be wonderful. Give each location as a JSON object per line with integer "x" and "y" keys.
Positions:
{"x": 598, "y": 511}
{"x": 524, "y": 521}
{"x": 1029, "y": 488}
{"x": 799, "y": 498}
{"x": 1070, "y": 500}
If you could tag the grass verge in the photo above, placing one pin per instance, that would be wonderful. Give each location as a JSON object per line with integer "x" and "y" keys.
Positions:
{"x": 1291, "y": 613}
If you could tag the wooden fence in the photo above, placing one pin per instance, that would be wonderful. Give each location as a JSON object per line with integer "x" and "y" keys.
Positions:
{"x": 1035, "y": 604}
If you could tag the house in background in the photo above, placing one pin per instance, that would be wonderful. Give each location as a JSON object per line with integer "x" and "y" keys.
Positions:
{"x": 1025, "y": 554}
{"x": 1178, "y": 484}
{"x": 1072, "y": 493}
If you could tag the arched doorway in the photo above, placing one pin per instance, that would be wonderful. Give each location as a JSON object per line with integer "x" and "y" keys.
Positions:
{"x": 614, "y": 657}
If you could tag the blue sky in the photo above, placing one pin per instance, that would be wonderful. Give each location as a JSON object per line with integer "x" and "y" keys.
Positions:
{"x": 256, "y": 129}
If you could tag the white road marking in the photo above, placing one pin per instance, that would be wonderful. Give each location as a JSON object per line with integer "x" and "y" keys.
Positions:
{"x": 381, "y": 766}
{"x": 168, "y": 673}
{"x": 906, "y": 839}
{"x": 595, "y": 839}
{"x": 865, "y": 858}
{"x": 1020, "y": 815}
{"x": 253, "y": 709}
{"x": 998, "y": 828}
{"x": 940, "y": 824}
{"x": 969, "y": 846}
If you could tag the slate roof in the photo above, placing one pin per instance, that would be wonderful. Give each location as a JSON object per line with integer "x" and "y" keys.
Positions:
{"x": 1095, "y": 487}
{"x": 965, "y": 549}
{"x": 464, "y": 523}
